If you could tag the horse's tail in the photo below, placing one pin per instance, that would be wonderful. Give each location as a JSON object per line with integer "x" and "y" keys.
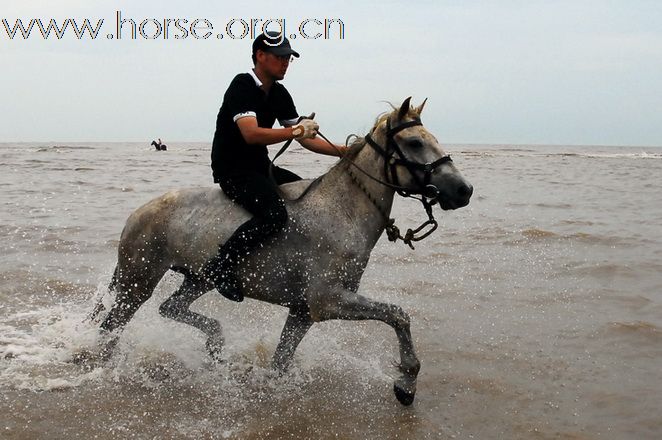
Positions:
{"x": 113, "y": 281}
{"x": 99, "y": 307}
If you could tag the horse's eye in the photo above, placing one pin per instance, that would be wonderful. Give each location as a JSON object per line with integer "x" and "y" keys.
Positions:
{"x": 415, "y": 144}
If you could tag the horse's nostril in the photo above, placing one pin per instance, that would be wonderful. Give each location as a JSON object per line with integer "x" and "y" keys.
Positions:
{"x": 465, "y": 191}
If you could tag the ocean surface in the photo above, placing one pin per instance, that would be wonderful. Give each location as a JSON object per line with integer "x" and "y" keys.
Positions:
{"x": 536, "y": 310}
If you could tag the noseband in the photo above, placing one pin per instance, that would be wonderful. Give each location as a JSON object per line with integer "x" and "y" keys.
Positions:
{"x": 391, "y": 162}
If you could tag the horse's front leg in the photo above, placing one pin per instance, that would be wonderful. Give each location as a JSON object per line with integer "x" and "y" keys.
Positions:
{"x": 344, "y": 304}
{"x": 296, "y": 326}
{"x": 177, "y": 307}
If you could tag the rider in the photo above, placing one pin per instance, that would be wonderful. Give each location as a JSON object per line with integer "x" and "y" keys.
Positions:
{"x": 240, "y": 160}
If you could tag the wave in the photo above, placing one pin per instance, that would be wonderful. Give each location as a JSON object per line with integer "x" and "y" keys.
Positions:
{"x": 518, "y": 150}
{"x": 527, "y": 236}
{"x": 554, "y": 205}
{"x": 640, "y": 155}
{"x": 36, "y": 231}
{"x": 577, "y": 222}
{"x": 642, "y": 331}
{"x": 121, "y": 189}
{"x": 631, "y": 302}
{"x": 561, "y": 151}
{"x": 538, "y": 234}
{"x": 607, "y": 271}
{"x": 489, "y": 233}
{"x": 26, "y": 282}
{"x": 58, "y": 148}
{"x": 586, "y": 237}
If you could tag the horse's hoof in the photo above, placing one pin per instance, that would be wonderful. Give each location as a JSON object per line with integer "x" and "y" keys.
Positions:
{"x": 278, "y": 369}
{"x": 85, "y": 358}
{"x": 91, "y": 359}
{"x": 404, "y": 396}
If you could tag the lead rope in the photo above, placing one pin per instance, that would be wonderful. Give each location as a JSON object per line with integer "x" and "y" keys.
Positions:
{"x": 392, "y": 231}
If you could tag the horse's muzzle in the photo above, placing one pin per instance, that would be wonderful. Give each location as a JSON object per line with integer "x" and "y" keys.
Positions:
{"x": 457, "y": 197}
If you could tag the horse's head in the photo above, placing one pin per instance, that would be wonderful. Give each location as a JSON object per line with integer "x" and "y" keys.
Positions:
{"x": 414, "y": 159}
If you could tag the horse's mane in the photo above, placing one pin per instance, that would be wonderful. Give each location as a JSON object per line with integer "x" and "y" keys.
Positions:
{"x": 354, "y": 148}
{"x": 359, "y": 142}
{"x": 357, "y": 145}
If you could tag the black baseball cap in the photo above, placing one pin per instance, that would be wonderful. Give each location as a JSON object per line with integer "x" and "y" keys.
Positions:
{"x": 274, "y": 43}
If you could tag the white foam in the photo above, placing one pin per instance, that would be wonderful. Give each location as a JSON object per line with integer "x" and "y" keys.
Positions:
{"x": 37, "y": 346}
{"x": 638, "y": 155}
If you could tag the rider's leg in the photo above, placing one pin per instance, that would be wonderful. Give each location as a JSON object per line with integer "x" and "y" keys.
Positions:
{"x": 259, "y": 196}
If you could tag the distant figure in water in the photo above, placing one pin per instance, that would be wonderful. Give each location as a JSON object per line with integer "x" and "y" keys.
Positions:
{"x": 160, "y": 146}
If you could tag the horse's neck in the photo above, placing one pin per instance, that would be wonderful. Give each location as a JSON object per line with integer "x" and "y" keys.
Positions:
{"x": 351, "y": 196}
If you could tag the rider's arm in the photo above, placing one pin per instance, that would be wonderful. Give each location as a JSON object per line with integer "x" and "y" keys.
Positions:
{"x": 262, "y": 136}
{"x": 253, "y": 134}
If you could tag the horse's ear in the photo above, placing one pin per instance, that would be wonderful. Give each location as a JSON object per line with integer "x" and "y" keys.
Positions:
{"x": 419, "y": 109}
{"x": 404, "y": 109}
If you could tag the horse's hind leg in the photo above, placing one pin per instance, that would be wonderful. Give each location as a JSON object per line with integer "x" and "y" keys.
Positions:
{"x": 177, "y": 307}
{"x": 348, "y": 305}
{"x": 133, "y": 289}
{"x": 296, "y": 326}
{"x": 131, "y": 292}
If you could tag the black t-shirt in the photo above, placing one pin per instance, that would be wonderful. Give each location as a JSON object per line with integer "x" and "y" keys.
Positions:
{"x": 230, "y": 153}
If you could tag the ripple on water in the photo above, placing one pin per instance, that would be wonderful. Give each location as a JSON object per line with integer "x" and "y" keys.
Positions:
{"x": 544, "y": 235}
{"x": 606, "y": 271}
{"x": 538, "y": 234}
{"x": 636, "y": 334}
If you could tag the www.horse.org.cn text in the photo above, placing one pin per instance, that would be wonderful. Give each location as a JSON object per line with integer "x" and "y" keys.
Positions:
{"x": 128, "y": 28}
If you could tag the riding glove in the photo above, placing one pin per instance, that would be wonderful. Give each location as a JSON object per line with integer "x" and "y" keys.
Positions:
{"x": 306, "y": 129}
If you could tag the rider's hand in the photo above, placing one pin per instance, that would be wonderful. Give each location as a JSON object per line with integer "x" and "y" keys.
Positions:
{"x": 306, "y": 129}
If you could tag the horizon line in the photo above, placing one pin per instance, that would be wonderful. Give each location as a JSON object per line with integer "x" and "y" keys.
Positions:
{"x": 493, "y": 144}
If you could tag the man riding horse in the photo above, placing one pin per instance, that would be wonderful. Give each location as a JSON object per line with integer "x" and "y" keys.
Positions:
{"x": 314, "y": 266}
{"x": 240, "y": 162}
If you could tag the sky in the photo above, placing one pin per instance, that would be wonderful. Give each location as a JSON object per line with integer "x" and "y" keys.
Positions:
{"x": 494, "y": 72}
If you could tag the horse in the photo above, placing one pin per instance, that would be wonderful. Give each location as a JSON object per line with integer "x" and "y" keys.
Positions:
{"x": 159, "y": 145}
{"x": 314, "y": 266}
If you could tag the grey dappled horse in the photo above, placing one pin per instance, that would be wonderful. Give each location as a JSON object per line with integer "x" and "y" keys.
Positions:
{"x": 314, "y": 266}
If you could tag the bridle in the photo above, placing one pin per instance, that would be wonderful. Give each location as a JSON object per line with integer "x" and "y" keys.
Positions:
{"x": 428, "y": 193}
{"x": 425, "y": 189}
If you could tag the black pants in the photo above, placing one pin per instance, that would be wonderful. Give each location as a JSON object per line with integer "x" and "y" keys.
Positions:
{"x": 257, "y": 193}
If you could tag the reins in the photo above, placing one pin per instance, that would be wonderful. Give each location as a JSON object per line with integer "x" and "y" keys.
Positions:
{"x": 428, "y": 192}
